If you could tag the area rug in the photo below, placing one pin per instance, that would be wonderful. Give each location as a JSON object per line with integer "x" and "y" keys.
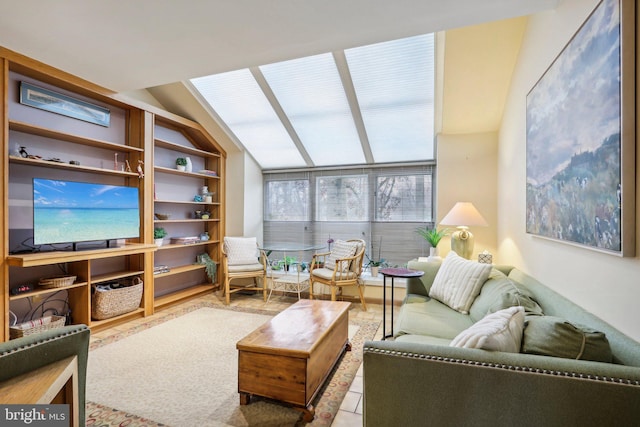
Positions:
{"x": 181, "y": 370}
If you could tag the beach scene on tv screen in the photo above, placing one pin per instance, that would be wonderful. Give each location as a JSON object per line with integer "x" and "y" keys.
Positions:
{"x": 69, "y": 211}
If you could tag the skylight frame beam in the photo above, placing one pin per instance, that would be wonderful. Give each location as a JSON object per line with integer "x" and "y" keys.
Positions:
{"x": 277, "y": 108}
{"x": 347, "y": 83}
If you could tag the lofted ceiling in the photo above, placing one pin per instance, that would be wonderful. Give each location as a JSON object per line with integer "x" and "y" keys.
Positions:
{"x": 145, "y": 48}
{"x": 131, "y": 45}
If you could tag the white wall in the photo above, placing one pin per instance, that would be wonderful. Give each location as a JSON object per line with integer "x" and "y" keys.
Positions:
{"x": 244, "y": 196}
{"x": 606, "y": 285}
{"x": 467, "y": 172}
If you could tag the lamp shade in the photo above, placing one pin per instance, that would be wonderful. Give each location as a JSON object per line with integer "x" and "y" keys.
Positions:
{"x": 464, "y": 214}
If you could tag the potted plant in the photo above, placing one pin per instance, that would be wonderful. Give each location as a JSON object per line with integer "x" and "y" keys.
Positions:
{"x": 433, "y": 237}
{"x": 181, "y": 163}
{"x": 158, "y": 235}
{"x": 376, "y": 262}
{"x": 287, "y": 262}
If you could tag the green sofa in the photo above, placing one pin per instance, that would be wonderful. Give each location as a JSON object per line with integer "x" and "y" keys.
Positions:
{"x": 23, "y": 355}
{"x": 417, "y": 379}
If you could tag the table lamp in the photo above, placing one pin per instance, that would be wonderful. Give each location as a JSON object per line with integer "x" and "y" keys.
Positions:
{"x": 462, "y": 215}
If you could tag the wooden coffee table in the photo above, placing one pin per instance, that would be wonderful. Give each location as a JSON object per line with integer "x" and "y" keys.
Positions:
{"x": 290, "y": 357}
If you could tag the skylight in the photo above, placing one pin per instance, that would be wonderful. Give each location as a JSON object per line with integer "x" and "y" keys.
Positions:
{"x": 368, "y": 105}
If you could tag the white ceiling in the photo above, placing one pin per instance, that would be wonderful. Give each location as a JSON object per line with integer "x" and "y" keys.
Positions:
{"x": 130, "y": 45}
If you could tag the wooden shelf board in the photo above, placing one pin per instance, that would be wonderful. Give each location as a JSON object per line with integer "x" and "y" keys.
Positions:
{"x": 183, "y": 173}
{"x": 185, "y": 220}
{"x": 115, "y": 276}
{"x": 183, "y": 294}
{"x": 67, "y": 166}
{"x": 101, "y": 324}
{"x": 43, "y": 291}
{"x": 182, "y": 202}
{"x": 191, "y": 150}
{"x": 180, "y": 269}
{"x": 69, "y": 137}
{"x": 56, "y": 257}
{"x": 179, "y": 246}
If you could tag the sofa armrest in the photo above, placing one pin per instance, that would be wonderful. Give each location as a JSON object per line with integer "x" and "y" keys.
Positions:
{"x": 413, "y": 384}
{"x": 23, "y": 355}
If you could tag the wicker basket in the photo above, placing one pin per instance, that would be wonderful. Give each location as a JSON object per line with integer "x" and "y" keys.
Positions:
{"x": 107, "y": 304}
{"x": 35, "y": 326}
{"x": 57, "y": 282}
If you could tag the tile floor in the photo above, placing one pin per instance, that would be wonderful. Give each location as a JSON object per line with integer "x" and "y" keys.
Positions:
{"x": 350, "y": 413}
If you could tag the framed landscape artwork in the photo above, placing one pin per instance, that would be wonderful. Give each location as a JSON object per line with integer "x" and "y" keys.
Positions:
{"x": 581, "y": 139}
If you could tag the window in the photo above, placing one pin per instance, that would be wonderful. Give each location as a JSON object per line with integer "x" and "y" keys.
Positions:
{"x": 403, "y": 198}
{"x": 363, "y": 203}
{"x": 287, "y": 200}
{"x": 361, "y": 106}
{"x": 342, "y": 198}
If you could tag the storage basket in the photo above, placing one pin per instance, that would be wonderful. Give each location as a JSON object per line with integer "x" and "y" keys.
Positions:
{"x": 56, "y": 282}
{"x": 114, "y": 302}
{"x": 35, "y": 326}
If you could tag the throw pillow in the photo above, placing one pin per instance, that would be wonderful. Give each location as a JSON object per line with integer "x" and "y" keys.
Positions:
{"x": 499, "y": 331}
{"x": 554, "y": 336}
{"x": 241, "y": 250}
{"x": 341, "y": 249}
{"x": 458, "y": 282}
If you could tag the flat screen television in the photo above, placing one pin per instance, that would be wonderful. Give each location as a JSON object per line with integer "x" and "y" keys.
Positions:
{"x": 73, "y": 212}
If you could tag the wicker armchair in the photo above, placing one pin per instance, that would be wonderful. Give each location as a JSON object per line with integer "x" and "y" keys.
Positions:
{"x": 242, "y": 260}
{"x": 340, "y": 267}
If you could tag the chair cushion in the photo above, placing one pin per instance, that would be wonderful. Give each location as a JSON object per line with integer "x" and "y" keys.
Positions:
{"x": 458, "y": 282}
{"x": 325, "y": 273}
{"x": 241, "y": 250}
{"x": 341, "y": 249}
{"x": 245, "y": 267}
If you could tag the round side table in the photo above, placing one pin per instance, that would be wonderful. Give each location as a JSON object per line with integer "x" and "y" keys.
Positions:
{"x": 393, "y": 273}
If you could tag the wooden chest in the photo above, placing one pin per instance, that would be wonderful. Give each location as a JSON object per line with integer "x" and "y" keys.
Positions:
{"x": 289, "y": 357}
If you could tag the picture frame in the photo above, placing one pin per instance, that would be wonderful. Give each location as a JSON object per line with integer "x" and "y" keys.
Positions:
{"x": 48, "y": 100}
{"x": 580, "y": 137}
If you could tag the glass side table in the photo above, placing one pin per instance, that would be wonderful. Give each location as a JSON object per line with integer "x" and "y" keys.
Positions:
{"x": 393, "y": 273}
{"x": 290, "y": 281}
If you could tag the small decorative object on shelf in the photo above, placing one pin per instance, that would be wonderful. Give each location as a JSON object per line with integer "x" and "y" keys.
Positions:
{"x": 188, "y": 165}
{"x": 158, "y": 269}
{"x": 209, "y": 264}
{"x": 37, "y": 325}
{"x": 188, "y": 240}
{"x": 485, "y": 257}
{"x": 181, "y": 163}
{"x": 116, "y": 299}
{"x": 159, "y": 234}
{"x": 197, "y": 214}
{"x": 197, "y": 198}
{"x": 204, "y": 236}
{"x": 139, "y": 169}
{"x": 56, "y": 282}
{"x": 162, "y": 216}
{"x": 206, "y": 215}
{"x": 23, "y": 152}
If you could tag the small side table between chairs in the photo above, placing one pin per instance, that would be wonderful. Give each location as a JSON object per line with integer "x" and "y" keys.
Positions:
{"x": 393, "y": 273}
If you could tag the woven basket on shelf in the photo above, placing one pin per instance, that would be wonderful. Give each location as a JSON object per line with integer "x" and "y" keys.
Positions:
{"x": 114, "y": 302}
{"x": 35, "y": 326}
{"x": 56, "y": 282}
